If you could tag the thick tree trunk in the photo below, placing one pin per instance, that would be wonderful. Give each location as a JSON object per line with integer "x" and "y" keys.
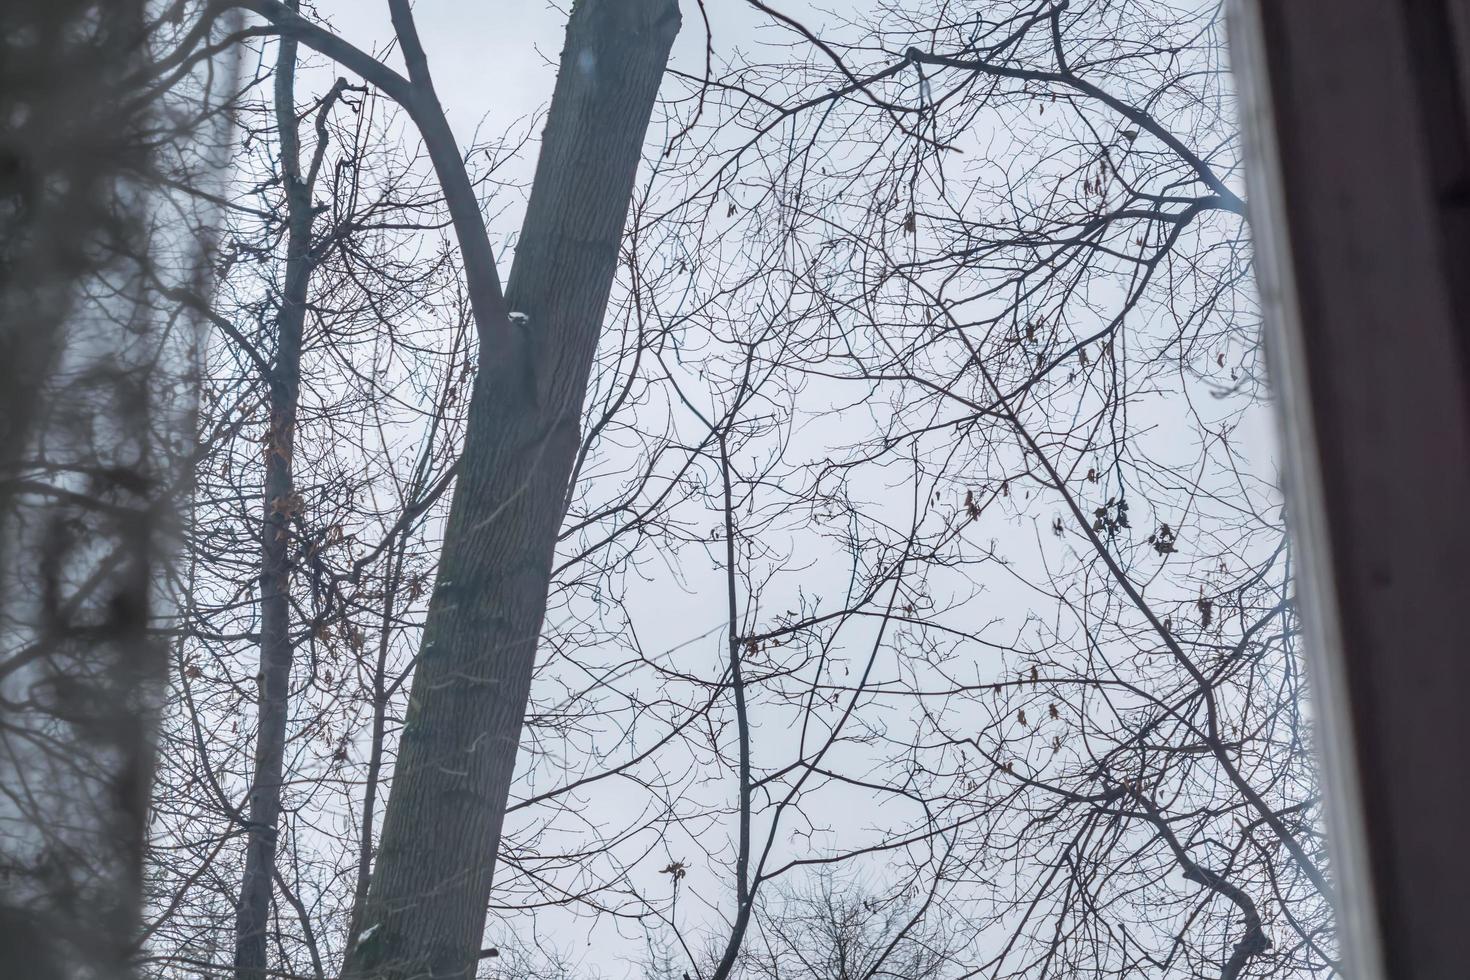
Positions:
{"x": 252, "y": 916}
{"x": 425, "y": 913}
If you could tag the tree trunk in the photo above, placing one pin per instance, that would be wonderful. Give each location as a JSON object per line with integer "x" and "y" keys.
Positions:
{"x": 280, "y": 503}
{"x": 425, "y": 913}
{"x": 97, "y": 389}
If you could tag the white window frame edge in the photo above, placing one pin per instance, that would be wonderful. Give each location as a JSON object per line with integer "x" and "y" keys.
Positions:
{"x": 1357, "y": 926}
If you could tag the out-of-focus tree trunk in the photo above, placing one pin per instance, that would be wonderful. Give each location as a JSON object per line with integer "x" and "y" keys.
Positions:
{"x": 425, "y": 913}
{"x": 95, "y": 436}
{"x": 60, "y": 159}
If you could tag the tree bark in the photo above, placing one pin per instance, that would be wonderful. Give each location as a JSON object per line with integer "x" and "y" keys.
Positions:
{"x": 280, "y": 504}
{"x": 425, "y": 913}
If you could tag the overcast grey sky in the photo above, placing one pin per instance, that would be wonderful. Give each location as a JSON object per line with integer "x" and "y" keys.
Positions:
{"x": 494, "y": 66}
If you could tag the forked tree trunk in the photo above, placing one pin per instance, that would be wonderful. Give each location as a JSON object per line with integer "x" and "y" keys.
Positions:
{"x": 425, "y": 913}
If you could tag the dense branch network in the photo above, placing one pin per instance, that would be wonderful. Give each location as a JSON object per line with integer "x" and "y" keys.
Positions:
{"x": 922, "y": 604}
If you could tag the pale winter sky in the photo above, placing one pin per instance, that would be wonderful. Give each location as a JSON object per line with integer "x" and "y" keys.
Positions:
{"x": 494, "y": 67}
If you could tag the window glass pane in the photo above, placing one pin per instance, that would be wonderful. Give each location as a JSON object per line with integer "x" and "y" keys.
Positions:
{"x": 794, "y": 493}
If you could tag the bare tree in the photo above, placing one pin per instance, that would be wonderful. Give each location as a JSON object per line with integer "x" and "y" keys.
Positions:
{"x": 281, "y": 503}
{"x": 1010, "y": 238}
{"x": 885, "y": 500}
{"x": 381, "y": 341}
{"x": 425, "y": 908}
{"x": 831, "y": 929}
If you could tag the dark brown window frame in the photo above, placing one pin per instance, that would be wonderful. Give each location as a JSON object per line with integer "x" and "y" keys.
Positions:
{"x": 1355, "y": 120}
